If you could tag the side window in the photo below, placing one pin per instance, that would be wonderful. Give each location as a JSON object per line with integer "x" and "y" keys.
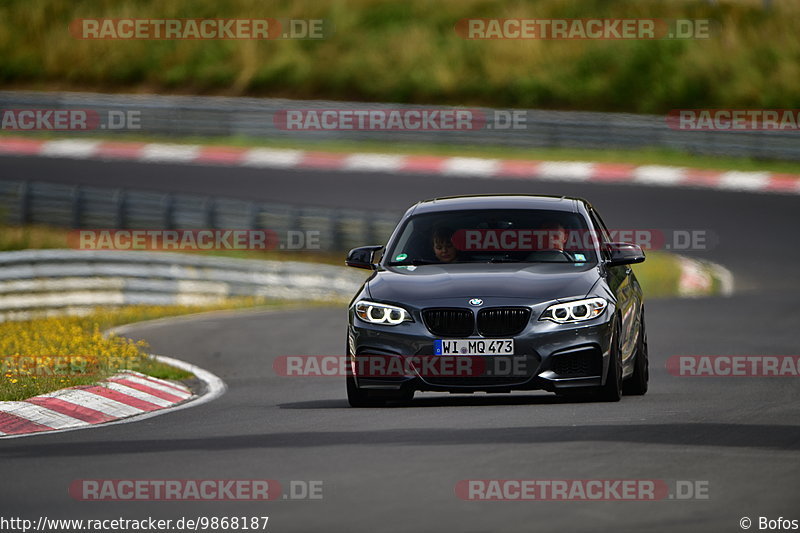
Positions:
{"x": 597, "y": 222}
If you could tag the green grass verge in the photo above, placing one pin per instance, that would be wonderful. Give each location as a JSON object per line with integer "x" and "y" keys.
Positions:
{"x": 408, "y": 51}
{"x": 43, "y": 355}
{"x": 658, "y": 275}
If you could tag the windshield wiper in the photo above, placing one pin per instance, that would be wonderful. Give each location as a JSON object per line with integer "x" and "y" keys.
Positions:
{"x": 504, "y": 260}
{"x": 565, "y": 262}
{"x": 414, "y": 262}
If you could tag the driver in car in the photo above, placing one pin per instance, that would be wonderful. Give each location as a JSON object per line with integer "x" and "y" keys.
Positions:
{"x": 554, "y": 243}
{"x": 555, "y": 237}
{"x": 443, "y": 247}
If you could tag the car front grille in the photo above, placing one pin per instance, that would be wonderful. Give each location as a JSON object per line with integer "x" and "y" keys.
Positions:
{"x": 502, "y": 321}
{"x": 449, "y": 322}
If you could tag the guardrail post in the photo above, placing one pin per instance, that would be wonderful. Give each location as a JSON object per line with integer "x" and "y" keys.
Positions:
{"x": 24, "y": 203}
{"x": 335, "y": 243}
{"x": 119, "y": 208}
{"x": 77, "y": 205}
{"x": 169, "y": 211}
{"x": 294, "y": 218}
{"x": 253, "y": 212}
{"x": 369, "y": 229}
{"x": 209, "y": 210}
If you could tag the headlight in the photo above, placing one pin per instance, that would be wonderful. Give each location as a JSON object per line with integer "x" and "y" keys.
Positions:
{"x": 576, "y": 311}
{"x": 376, "y": 313}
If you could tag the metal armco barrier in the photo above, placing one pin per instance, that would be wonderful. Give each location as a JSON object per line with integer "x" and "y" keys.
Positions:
{"x": 35, "y": 282}
{"x": 182, "y": 116}
{"x": 100, "y": 208}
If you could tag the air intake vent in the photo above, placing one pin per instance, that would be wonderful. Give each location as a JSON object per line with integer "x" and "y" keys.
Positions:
{"x": 583, "y": 362}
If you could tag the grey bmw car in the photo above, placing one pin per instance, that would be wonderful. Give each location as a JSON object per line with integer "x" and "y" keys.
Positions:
{"x": 496, "y": 293}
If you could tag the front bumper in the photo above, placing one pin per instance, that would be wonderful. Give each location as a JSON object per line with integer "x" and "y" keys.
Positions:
{"x": 548, "y": 356}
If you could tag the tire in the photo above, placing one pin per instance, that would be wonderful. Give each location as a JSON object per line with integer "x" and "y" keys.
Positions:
{"x": 404, "y": 397}
{"x": 361, "y": 398}
{"x": 636, "y": 385}
{"x": 612, "y": 390}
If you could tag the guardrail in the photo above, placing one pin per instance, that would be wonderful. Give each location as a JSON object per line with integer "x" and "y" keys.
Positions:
{"x": 36, "y": 282}
{"x": 254, "y": 117}
{"x": 100, "y": 208}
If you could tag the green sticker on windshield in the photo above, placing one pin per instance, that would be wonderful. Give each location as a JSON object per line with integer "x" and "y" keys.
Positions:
{"x": 401, "y": 257}
{"x": 580, "y": 257}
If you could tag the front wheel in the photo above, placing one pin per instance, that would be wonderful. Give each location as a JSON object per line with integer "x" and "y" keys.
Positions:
{"x": 612, "y": 390}
{"x": 360, "y": 398}
{"x": 636, "y": 385}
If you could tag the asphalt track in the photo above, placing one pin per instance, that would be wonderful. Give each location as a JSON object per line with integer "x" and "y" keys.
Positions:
{"x": 396, "y": 469}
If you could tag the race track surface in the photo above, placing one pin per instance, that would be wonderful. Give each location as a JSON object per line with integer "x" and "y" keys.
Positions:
{"x": 395, "y": 469}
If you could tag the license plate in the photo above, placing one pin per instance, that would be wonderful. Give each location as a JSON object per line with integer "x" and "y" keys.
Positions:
{"x": 473, "y": 347}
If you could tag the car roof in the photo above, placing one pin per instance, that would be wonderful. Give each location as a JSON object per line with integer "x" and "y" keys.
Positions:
{"x": 499, "y": 201}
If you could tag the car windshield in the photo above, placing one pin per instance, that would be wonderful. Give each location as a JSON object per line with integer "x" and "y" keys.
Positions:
{"x": 493, "y": 236}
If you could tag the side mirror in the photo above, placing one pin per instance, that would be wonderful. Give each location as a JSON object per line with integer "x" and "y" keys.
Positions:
{"x": 622, "y": 253}
{"x": 363, "y": 257}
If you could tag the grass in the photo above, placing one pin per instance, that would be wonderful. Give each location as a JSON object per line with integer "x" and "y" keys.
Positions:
{"x": 658, "y": 275}
{"x": 408, "y": 52}
{"x": 14, "y": 238}
{"x": 43, "y": 355}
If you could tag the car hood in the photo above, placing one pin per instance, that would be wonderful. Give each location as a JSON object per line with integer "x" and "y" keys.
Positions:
{"x": 533, "y": 282}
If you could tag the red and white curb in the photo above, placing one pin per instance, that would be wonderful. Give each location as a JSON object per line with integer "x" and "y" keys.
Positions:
{"x": 571, "y": 171}
{"x": 125, "y": 397}
{"x": 697, "y": 278}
